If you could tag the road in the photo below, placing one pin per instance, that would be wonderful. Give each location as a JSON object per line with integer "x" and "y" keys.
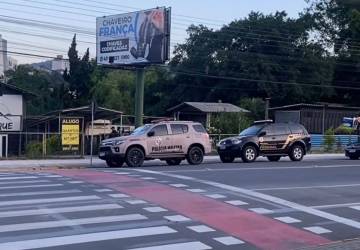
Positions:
{"x": 263, "y": 205}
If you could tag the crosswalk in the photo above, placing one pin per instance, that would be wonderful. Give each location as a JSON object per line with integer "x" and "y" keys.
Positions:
{"x": 46, "y": 211}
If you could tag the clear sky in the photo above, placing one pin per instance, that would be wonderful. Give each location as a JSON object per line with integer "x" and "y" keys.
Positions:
{"x": 63, "y": 18}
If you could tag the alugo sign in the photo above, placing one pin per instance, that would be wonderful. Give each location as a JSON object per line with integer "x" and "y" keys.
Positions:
{"x": 134, "y": 38}
{"x": 70, "y": 134}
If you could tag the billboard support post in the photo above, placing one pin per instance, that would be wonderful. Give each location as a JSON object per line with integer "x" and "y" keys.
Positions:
{"x": 139, "y": 96}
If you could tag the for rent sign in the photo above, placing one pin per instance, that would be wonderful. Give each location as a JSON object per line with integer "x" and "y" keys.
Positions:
{"x": 70, "y": 134}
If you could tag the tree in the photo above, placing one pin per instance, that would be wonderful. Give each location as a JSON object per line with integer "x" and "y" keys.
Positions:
{"x": 79, "y": 77}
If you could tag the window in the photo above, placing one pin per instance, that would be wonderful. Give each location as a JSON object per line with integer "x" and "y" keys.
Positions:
{"x": 282, "y": 130}
{"x": 179, "y": 129}
{"x": 270, "y": 130}
{"x": 199, "y": 128}
{"x": 297, "y": 129}
{"x": 160, "y": 130}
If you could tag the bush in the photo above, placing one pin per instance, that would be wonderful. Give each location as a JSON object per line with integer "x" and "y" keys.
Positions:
{"x": 34, "y": 150}
{"x": 230, "y": 123}
{"x": 343, "y": 130}
{"x": 53, "y": 145}
{"x": 329, "y": 140}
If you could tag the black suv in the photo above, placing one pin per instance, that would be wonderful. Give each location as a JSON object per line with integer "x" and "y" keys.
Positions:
{"x": 264, "y": 138}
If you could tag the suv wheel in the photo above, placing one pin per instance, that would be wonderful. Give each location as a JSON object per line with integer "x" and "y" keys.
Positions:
{"x": 249, "y": 154}
{"x": 114, "y": 163}
{"x": 296, "y": 153}
{"x": 173, "y": 162}
{"x": 227, "y": 158}
{"x": 274, "y": 158}
{"x": 135, "y": 157}
{"x": 195, "y": 156}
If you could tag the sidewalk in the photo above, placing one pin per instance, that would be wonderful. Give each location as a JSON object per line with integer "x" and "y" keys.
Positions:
{"x": 352, "y": 244}
{"x": 78, "y": 163}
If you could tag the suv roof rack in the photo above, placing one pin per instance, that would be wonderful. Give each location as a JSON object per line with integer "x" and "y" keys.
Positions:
{"x": 263, "y": 122}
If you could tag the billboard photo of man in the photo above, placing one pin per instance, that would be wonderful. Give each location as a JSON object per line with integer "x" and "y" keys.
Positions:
{"x": 150, "y": 36}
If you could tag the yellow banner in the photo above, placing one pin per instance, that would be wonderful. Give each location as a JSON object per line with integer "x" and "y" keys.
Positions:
{"x": 70, "y": 134}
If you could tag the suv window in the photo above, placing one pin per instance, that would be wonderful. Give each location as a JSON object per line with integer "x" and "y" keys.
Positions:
{"x": 179, "y": 129}
{"x": 270, "y": 130}
{"x": 282, "y": 130}
{"x": 160, "y": 130}
{"x": 199, "y": 128}
{"x": 297, "y": 129}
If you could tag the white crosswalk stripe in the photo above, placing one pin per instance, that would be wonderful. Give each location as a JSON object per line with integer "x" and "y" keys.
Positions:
{"x": 49, "y": 211}
{"x": 32, "y": 186}
{"x": 70, "y": 223}
{"x": 67, "y": 191}
{"x": 195, "y": 245}
{"x": 18, "y": 177}
{"x": 86, "y": 238}
{"x": 23, "y": 182}
{"x": 48, "y": 200}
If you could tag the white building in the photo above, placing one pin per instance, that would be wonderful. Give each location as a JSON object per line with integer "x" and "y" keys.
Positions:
{"x": 3, "y": 56}
{"x": 60, "y": 64}
{"x": 11, "y": 63}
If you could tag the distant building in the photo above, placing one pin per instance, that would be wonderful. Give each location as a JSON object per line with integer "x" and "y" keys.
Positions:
{"x": 11, "y": 63}
{"x": 59, "y": 64}
{"x": 202, "y": 111}
{"x": 317, "y": 118}
{"x": 3, "y": 56}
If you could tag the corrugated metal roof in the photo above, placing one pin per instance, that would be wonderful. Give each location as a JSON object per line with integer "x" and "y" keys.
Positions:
{"x": 212, "y": 107}
{"x": 306, "y": 105}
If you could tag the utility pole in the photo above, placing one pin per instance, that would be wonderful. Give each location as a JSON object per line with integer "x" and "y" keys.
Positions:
{"x": 139, "y": 96}
{"x": 267, "y": 106}
{"x": 92, "y": 133}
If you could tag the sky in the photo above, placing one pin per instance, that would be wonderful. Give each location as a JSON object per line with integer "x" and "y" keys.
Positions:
{"x": 60, "y": 19}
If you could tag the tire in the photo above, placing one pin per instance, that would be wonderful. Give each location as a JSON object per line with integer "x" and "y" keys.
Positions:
{"x": 135, "y": 157}
{"x": 195, "y": 155}
{"x": 354, "y": 157}
{"x": 173, "y": 162}
{"x": 115, "y": 163}
{"x": 227, "y": 159}
{"x": 297, "y": 153}
{"x": 274, "y": 158}
{"x": 249, "y": 154}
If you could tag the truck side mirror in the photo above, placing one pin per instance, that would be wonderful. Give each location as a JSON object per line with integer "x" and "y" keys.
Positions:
{"x": 151, "y": 133}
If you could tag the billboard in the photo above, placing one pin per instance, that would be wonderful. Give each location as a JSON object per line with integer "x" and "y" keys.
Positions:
{"x": 135, "y": 38}
{"x": 11, "y": 111}
{"x": 70, "y": 134}
{"x": 351, "y": 122}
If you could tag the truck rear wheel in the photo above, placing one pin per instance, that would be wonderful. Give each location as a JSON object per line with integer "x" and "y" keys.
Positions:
{"x": 296, "y": 153}
{"x": 195, "y": 155}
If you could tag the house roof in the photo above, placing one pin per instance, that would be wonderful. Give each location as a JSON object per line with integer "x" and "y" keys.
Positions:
{"x": 316, "y": 106}
{"x": 209, "y": 107}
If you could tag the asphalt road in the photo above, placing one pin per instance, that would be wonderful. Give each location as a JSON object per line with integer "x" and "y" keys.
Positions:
{"x": 263, "y": 205}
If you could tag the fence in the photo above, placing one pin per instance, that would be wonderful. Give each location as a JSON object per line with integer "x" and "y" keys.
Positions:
{"x": 317, "y": 141}
{"x": 45, "y": 145}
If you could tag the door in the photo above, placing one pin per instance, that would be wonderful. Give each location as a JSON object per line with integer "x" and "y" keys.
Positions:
{"x": 180, "y": 138}
{"x": 268, "y": 141}
{"x": 3, "y": 146}
{"x": 159, "y": 144}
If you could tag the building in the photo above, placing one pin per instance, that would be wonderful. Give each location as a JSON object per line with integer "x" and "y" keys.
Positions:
{"x": 11, "y": 63}
{"x": 3, "y": 56}
{"x": 317, "y": 118}
{"x": 59, "y": 64}
{"x": 12, "y": 115}
{"x": 202, "y": 111}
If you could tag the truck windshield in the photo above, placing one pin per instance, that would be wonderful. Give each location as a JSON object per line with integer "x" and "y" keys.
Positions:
{"x": 142, "y": 130}
{"x": 254, "y": 130}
